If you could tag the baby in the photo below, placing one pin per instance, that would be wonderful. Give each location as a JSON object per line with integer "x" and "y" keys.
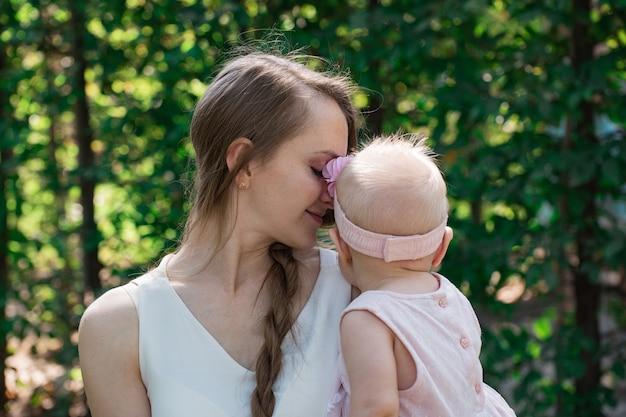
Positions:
{"x": 410, "y": 342}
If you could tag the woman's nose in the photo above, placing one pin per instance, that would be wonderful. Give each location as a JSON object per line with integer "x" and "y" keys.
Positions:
{"x": 325, "y": 196}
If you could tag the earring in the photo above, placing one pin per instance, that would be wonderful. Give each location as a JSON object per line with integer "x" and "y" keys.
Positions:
{"x": 243, "y": 186}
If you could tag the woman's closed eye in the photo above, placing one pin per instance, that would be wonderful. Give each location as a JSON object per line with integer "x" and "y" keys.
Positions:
{"x": 317, "y": 173}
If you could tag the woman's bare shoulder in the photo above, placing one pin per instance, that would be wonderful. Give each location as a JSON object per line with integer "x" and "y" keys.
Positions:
{"x": 108, "y": 346}
{"x": 109, "y": 311}
{"x": 109, "y": 324}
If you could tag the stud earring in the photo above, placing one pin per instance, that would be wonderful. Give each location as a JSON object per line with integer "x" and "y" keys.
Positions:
{"x": 243, "y": 186}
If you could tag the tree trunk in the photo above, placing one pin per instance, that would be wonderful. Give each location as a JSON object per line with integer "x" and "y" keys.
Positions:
{"x": 84, "y": 138}
{"x": 5, "y": 158}
{"x": 586, "y": 284}
{"x": 4, "y": 275}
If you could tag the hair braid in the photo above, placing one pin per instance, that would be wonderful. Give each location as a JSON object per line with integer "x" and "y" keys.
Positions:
{"x": 283, "y": 281}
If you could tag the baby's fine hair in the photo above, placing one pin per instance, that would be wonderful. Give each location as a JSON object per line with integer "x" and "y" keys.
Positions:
{"x": 394, "y": 186}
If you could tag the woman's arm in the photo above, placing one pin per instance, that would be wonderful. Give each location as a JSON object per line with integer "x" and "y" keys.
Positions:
{"x": 367, "y": 347}
{"x": 109, "y": 357}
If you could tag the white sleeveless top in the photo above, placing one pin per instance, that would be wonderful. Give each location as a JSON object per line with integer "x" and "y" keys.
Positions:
{"x": 187, "y": 372}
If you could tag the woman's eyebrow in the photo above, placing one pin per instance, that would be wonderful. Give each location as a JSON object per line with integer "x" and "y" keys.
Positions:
{"x": 332, "y": 154}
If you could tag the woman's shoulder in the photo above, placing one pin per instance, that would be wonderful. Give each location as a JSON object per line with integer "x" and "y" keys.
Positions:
{"x": 110, "y": 315}
{"x": 108, "y": 348}
{"x": 118, "y": 305}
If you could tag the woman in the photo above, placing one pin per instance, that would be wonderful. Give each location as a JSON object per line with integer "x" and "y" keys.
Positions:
{"x": 242, "y": 319}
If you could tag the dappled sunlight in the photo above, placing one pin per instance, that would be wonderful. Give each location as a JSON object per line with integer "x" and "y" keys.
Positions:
{"x": 34, "y": 381}
{"x": 511, "y": 95}
{"x": 512, "y": 291}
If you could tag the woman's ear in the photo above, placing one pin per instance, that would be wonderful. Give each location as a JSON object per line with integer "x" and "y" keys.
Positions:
{"x": 443, "y": 247}
{"x": 235, "y": 153}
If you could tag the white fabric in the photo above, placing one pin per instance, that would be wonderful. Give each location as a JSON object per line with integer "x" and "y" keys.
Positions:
{"x": 441, "y": 332}
{"x": 187, "y": 373}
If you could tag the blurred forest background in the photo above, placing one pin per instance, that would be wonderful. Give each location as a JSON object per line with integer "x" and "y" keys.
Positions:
{"x": 525, "y": 100}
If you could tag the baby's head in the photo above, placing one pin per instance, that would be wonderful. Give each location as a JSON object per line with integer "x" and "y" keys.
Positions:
{"x": 393, "y": 188}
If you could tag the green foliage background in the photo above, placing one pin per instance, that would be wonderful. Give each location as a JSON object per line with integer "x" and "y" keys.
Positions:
{"x": 533, "y": 207}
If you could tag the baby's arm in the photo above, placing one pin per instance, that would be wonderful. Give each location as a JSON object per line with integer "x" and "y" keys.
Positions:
{"x": 367, "y": 346}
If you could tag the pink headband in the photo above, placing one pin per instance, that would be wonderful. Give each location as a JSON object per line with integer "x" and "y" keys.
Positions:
{"x": 388, "y": 247}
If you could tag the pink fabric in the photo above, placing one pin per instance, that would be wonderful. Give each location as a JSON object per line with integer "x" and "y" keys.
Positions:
{"x": 332, "y": 169}
{"x": 388, "y": 247}
{"x": 442, "y": 333}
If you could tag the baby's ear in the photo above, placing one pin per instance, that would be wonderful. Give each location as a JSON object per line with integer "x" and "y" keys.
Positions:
{"x": 342, "y": 247}
{"x": 443, "y": 247}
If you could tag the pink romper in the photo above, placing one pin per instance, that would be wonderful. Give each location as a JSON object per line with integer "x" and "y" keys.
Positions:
{"x": 442, "y": 333}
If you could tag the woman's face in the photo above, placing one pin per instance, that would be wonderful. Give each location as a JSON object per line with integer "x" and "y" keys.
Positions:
{"x": 287, "y": 196}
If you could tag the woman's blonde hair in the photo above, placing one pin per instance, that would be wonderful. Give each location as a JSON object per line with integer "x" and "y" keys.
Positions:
{"x": 262, "y": 97}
